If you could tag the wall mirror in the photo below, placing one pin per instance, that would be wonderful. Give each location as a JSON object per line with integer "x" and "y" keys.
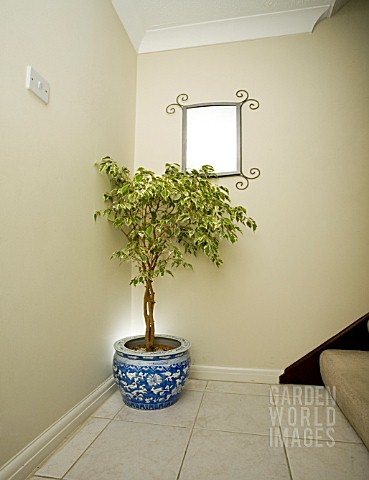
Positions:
{"x": 212, "y": 135}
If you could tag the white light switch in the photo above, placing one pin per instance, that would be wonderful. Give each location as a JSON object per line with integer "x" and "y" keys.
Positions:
{"x": 38, "y": 85}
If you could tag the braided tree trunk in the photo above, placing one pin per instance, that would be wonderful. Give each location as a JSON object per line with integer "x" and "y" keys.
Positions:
{"x": 149, "y": 302}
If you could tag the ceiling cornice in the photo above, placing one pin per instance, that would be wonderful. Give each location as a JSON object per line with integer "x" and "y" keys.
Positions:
{"x": 264, "y": 19}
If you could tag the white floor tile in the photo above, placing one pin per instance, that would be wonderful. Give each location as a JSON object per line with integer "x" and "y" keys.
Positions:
{"x": 343, "y": 461}
{"x": 63, "y": 459}
{"x": 241, "y": 388}
{"x": 110, "y": 407}
{"x": 233, "y": 456}
{"x": 181, "y": 414}
{"x": 134, "y": 451}
{"x": 193, "y": 384}
{"x": 319, "y": 422}
{"x": 235, "y": 413}
{"x": 236, "y": 435}
{"x": 302, "y": 394}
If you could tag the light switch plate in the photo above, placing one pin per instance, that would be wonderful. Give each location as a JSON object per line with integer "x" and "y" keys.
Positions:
{"x": 37, "y": 84}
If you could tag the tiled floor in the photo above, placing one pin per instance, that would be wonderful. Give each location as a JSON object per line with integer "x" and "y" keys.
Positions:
{"x": 216, "y": 431}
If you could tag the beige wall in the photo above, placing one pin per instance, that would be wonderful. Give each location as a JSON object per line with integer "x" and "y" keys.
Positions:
{"x": 305, "y": 274}
{"x": 62, "y": 301}
{"x": 302, "y": 276}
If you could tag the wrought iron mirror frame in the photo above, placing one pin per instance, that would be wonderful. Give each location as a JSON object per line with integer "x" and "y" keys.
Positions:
{"x": 253, "y": 104}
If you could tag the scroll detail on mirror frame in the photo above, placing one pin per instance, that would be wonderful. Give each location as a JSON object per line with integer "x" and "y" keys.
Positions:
{"x": 233, "y": 141}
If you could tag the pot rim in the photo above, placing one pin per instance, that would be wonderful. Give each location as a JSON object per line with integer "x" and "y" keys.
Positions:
{"x": 120, "y": 347}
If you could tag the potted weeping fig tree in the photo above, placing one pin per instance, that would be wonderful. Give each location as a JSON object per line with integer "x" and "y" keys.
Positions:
{"x": 163, "y": 220}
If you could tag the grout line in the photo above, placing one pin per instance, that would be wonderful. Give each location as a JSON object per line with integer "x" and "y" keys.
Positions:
{"x": 283, "y": 439}
{"x": 238, "y": 393}
{"x": 235, "y": 432}
{"x": 192, "y": 429}
{"x": 274, "y": 405}
{"x": 67, "y": 438}
{"x": 263, "y": 435}
{"x": 237, "y": 381}
{"x": 66, "y": 441}
{"x": 85, "y": 450}
{"x": 285, "y": 453}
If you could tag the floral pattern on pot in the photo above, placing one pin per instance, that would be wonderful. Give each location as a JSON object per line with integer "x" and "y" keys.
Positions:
{"x": 151, "y": 381}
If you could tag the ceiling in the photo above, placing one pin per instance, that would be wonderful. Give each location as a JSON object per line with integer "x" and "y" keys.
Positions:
{"x": 157, "y": 25}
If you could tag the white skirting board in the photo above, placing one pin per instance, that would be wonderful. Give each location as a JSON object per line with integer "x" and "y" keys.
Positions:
{"x": 22, "y": 464}
{"x": 228, "y": 374}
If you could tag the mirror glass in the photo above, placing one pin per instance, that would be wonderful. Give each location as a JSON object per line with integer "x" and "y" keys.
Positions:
{"x": 211, "y": 136}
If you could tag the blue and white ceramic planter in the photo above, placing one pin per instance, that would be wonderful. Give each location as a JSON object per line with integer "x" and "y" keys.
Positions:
{"x": 151, "y": 380}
